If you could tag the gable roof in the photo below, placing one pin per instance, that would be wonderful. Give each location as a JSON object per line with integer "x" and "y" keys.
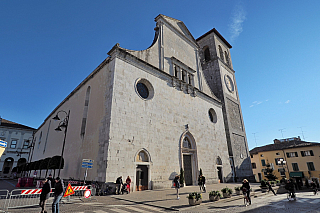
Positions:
{"x": 7, "y": 123}
{"x": 283, "y": 145}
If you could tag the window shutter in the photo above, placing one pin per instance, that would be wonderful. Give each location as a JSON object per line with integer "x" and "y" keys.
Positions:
{"x": 311, "y": 153}
{"x": 302, "y": 153}
{"x": 276, "y": 160}
{"x": 296, "y": 154}
{"x": 288, "y": 155}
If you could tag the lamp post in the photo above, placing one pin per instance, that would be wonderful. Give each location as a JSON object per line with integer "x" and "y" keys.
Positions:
{"x": 31, "y": 145}
{"x": 63, "y": 124}
{"x": 282, "y": 163}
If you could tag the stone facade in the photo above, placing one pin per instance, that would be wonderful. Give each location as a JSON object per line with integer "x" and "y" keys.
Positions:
{"x": 144, "y": 114}
{"x": 218, "y": 69}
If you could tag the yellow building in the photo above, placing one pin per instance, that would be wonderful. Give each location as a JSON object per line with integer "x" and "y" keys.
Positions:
{"x": 290, "y": 158}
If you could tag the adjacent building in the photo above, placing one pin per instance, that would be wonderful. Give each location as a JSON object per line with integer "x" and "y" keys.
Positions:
{"x": 18, "y": 139}
{"x": 290, "y": 158}
{"x": 148, "y": 114}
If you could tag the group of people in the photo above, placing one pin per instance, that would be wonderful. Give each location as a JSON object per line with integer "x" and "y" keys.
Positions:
{"x": 58, "y": 186}
{"x": 119, "y": 184}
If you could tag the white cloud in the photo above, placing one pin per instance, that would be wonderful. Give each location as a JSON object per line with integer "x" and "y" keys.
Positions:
{"x": 288, "y": 101}
{"x": 237, "y": 19}
{"x": 255, "y": 103}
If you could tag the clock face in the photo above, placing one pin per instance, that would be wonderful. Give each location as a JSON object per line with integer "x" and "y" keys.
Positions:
{"x": 229, "y": 83}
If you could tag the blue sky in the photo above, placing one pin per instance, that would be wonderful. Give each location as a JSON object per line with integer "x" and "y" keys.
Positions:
{"x": 48, "y": 47}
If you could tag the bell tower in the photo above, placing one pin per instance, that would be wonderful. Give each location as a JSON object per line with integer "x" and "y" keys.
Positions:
{"x": 218, "y": 70}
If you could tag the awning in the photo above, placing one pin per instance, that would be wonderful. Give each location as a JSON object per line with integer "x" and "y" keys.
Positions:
{"x": 296, "y": 174}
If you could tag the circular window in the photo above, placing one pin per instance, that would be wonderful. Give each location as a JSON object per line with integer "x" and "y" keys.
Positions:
{"x": 212, "y": 115}
{"x": 144, "y": 89}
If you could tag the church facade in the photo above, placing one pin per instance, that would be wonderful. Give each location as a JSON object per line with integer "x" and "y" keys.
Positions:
{"x": 148, "y": 114}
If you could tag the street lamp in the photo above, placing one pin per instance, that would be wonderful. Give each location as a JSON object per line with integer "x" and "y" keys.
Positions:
{"x": 282, "y": 163}
{"x": 63, "y": 124}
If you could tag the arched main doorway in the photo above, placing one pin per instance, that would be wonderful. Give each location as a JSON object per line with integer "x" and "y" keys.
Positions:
{"x": 142, "y": 161}
{"x": 189, "y": 159}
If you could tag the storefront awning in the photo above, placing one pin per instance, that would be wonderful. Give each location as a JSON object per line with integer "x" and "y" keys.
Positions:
{"x": 296, "y": 174}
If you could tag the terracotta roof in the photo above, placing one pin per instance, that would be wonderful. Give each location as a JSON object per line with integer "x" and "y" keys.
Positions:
{"x": 283, "y": 145}
{"x": 7, "y": 123}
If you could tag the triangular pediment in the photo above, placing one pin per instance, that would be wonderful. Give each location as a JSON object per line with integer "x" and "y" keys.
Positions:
{"x": 178, "y": 25}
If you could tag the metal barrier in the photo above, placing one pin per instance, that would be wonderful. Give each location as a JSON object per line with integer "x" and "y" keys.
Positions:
{"x": 25, "y": 197}
{"x": 31, "y": 197}
{"x": 79, "y": 193}
{"x": 4, "y": 194}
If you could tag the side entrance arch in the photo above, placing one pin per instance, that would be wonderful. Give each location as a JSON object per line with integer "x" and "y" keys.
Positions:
{"x": 143, "y": 179}
{"x": 188, "y": 158}
{"x": 219, "y": 168}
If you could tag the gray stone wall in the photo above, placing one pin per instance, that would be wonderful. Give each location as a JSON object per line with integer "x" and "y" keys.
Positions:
{"x": 157, "y": 125}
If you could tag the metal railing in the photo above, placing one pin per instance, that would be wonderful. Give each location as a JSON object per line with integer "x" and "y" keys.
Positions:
{"x": 25, "y": 197}
{"x": 19, "y": 198}
{"x": 4, "y": 194}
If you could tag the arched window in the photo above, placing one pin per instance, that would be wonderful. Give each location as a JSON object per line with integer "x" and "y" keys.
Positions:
{"x": 206, "y": 52}
{"x": 85, "y": 112}
{"x": 227, "y": 57}
{"x": 142, "y": 157}
{"x": 186, "y": 143}
{"x": 221, "y": 53}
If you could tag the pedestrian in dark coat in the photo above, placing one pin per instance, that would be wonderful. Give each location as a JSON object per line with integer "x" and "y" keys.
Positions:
{"x": 176, "y": 182}
{"x": 58, "y": 193}
{"x": 270, "y": 188}
{"x": 246, "y": 185}
{"x": 119, "y": 183}
{"x": 45, "y": 194}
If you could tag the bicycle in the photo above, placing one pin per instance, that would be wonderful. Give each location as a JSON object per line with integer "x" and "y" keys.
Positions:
{"x": 245, "y": 198}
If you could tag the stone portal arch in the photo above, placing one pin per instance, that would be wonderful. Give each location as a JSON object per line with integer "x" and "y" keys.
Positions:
{"x": 188, "y": 158}
{"x": 142, "y": 161}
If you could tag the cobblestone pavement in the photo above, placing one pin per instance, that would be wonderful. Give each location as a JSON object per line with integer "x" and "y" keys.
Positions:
{"x": 165, "y": 200}
{"x": 306, "y": 202}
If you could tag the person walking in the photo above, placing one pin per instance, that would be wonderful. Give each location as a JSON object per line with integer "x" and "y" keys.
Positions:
{"x": 58, "y": 193}
{"x": 246, "y": 185}
{"x": 270, "y": 188}
{"x": 290, "y": 187}
{"x": 45, "y": 194}
{"x": 176, "y": 182}
{"x": 202, "y": 182}
{"x": 128, "y": 182}
{"x": 119, "y": 183}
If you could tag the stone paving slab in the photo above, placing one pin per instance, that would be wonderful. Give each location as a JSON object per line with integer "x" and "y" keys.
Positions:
{"x": 167, "y": 199}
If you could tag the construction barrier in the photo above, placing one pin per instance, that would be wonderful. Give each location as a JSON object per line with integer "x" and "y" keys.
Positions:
{"x": 79, "y": 193}
{"x": 25, "y": 197}
{"x": 19, "y": 198}
{"x": 3, "y": 199}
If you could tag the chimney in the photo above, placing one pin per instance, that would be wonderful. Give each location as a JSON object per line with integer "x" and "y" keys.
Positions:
{"x": 275, "y": 141}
